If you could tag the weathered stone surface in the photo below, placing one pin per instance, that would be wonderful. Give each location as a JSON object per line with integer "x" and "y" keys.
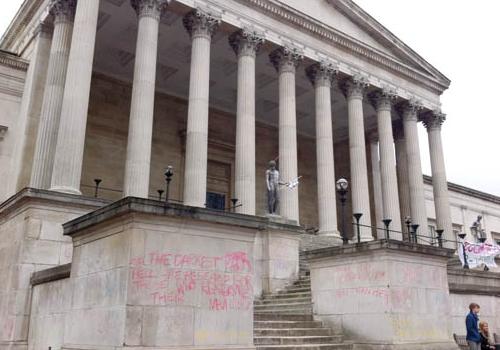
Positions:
{"x": 31, "y": 240}
{"x": 386, "y": 294}
{"x": 172, "y": 276}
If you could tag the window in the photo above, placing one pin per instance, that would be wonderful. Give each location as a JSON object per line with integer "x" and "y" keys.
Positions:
{"x": 495, "y": 236}
{"x": 216, "y": 201}
{"x": 457, "y": 229}
{"x": 432, "y": 234}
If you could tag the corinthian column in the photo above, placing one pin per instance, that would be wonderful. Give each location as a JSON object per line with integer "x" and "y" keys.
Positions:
{"x": 402, "y": 171}
{"x": 383, "y": 105}
{"x": 201, "y": 27}
{"x": 140, "y": 132}
{"x": 321, "y": 76}
{"x": 354, "y": 90}
{"x": 245, "y": 44}
{"x": 63, "y": 12}
{"x": 415, "y": 177}
{"x": 286, "y": 60}
{"x": 433, "y": 124}
{"x": 68, "y": 160}
{"x": 377, "y": 182}
{"x": 29, "y": 110}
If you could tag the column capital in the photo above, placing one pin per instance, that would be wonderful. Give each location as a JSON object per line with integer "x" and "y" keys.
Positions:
{"x": 383, "y": 99}
{"x": 63, "y": 10}
{"x": 410, "y": 110}
{"x": 150, "y": 8}
{"x": 286, "y": 58}
{"x": 354, "y": 87}
{"x": 434, "y": 120}
{"x": 200, "y": 23}
{"x": 44, "y": 28}
{"x": 322, "y": 73}
{"x": 246, "y": 42}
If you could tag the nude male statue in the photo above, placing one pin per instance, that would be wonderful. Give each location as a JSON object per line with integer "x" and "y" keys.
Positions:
{"x": 273, "y": 182}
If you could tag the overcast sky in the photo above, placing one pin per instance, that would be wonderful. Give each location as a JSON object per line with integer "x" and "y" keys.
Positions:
{"x": 460, "y": 39}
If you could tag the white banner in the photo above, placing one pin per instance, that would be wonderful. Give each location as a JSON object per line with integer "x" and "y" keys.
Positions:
{"x": 478, "y": 254}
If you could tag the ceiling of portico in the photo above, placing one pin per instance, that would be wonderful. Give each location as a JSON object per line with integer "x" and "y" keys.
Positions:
{"x": 115, "y": 54}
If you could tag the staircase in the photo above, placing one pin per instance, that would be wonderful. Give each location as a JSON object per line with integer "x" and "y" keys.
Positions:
{"x": 284, "y": 321}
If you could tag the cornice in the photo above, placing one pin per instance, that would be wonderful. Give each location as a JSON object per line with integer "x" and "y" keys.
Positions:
{"x": 23, "y": 17}
{"x": 345, "y": 42}
{"x": 12, "y": 61}
{"x": 453, "y": 187}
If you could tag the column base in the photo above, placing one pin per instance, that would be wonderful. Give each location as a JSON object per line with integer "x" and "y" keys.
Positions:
{"x": 64, "y": 189}
{"x": 334, "y": 236}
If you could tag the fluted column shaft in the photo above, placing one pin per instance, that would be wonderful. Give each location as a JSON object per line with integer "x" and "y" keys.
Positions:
{"x": 68, "y": 161}
{"x": 402, "y": 172}
{"x": 388, "y": 174}
{"x": 377, "y": 182}
{"x": 30, "y": 109}
{"x": 415, "y": 176}
{"x": 140, "y": 132}
{"x": 439, "y": 182}
{"x": 201, "y": 27}
{"x": 360, "y": 195}
{"x": 43, "y": 161}
{"x": 285, "y": 61}
{"x": 321, "y": 76}
{"x": 245, "y": 44}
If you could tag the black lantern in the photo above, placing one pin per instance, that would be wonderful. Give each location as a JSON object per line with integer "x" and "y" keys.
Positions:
{"x": 342, "y": 185}
{"x": 168, "y": 178}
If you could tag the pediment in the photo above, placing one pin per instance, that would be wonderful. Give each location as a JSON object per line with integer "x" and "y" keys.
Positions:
{"x": 352, "y": 21}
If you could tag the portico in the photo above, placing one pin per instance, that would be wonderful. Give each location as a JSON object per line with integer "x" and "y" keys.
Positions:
{"x": 218, "y": 97}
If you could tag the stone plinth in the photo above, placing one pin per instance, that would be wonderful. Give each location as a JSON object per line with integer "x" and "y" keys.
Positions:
{"x": 384, "y": 294}
{"x": 31, "y": 239}
{"x": 146, "y": 275}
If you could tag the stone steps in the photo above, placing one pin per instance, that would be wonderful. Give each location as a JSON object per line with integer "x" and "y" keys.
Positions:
{"x": 286, "y": 295}
{"x": 286, "y": 332}
{"x": 297, "y": 340}
{"x": 281, "y": 317}
{"x": 302, "y": 299}
{"x": 283, "y": 304}
{"x": 284, "y": 321}
{"x": 307, "y": 347}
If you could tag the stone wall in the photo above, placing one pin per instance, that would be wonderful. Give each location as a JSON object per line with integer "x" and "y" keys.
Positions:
{"x": 472, "y": 286}
{"x": 31, "y": 239}
{"x": 384, "y": 294}
{"x": 12, "y": 75}
{"x": 51, "y": 299}
{"x": 148, "y": 276}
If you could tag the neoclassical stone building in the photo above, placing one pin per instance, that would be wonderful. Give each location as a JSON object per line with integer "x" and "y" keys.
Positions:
{"x": 111, "y": 92}
{"x": 123, "y": 90}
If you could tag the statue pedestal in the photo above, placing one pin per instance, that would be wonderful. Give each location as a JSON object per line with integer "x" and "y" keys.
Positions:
{"x": 388, "y": 295}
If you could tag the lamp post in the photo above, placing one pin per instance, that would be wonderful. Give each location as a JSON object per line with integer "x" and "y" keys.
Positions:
{"x": 168, "y": 177}
{"x": 342, "y": 185}
{"x": 358, "y": 216}
{"x": 408, "y": 224}
{"x": 233, "y": 202}
{"x": 160, "y": 194}
{"x": 414, "y": 229}
{"x": 462, "y": 237}
{"x": 97, "y": 182}
{"x": 387, "y": 222}
{"x": 440, "y": 237}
